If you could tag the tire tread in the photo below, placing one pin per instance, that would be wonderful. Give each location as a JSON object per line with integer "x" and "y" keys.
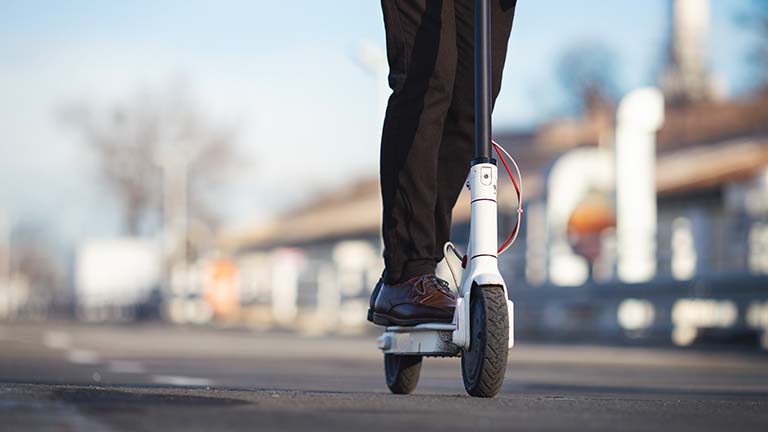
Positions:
{"x": 494, "y": 365}
{"x": 405, "y": 377}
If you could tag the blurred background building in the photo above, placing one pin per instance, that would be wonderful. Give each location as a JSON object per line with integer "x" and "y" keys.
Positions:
{"x": 645, "y": 205}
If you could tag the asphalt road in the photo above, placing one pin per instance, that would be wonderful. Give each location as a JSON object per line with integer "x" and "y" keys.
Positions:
{"x": 68, "y": 377}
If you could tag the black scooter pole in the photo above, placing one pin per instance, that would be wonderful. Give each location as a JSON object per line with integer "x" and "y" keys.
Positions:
{"x": 482, "y": 82}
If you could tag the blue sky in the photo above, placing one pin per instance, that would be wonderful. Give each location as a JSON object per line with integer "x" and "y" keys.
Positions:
{"x": 283, "y": 73}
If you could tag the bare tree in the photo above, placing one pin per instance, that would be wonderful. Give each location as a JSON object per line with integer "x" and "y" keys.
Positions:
{"x": 37, "y": 261}
{"x": 587, "y": 74}
{"x": 138, "y": 142}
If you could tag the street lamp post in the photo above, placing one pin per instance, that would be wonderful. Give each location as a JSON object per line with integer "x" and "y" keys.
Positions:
{"x": 5, "y": 261}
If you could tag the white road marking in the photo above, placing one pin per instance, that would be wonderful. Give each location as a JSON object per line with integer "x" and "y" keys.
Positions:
{"x": 177, "y": 380}
{"x": 57, "y": 339}
{"x": 125, "y": 366}
{"x": 85, "y": 357}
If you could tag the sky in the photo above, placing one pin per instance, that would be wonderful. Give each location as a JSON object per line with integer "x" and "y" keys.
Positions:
{"x": 286, "y": 75}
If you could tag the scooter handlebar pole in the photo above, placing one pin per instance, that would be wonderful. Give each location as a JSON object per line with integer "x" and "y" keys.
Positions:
{"x": 482, "y": 82}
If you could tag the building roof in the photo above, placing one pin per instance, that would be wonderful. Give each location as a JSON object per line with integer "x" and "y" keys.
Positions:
{"x": 709, "y": 166}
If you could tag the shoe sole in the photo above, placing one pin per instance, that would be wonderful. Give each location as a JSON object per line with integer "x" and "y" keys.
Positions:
{"x": 386, "y": 320}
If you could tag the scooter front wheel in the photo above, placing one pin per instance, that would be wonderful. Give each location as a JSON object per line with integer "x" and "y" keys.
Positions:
{"x": 402, "y": 372}
{"x": 484, "y": 363}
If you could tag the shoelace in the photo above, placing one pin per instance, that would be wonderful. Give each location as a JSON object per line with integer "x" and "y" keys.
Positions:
{"x": 433, "y": 281}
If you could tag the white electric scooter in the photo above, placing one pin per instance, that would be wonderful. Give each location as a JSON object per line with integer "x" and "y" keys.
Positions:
{"x": 482, "y": 329}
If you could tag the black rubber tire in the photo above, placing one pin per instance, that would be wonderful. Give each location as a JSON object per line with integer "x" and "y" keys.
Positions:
{"x": 484, "y": 364}
{"x": 402, "y": 372}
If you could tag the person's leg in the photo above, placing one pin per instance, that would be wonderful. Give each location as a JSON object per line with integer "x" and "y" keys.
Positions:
{"x": 457, "y": 146}
{"x": 421, "y": 51}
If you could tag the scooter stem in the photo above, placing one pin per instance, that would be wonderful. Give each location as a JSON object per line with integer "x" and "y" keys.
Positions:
{"x": 482, "y": 82}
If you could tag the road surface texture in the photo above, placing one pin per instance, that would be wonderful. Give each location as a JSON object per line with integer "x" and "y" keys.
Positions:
{"x": 74, "y": 377}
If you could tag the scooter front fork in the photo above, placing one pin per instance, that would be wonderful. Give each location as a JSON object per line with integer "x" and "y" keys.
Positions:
{"x": 482, "y": 257}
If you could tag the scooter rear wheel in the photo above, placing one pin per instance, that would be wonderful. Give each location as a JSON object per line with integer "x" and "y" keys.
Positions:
{"x": 402, "y": 372}
{"x": 484, "y": 364}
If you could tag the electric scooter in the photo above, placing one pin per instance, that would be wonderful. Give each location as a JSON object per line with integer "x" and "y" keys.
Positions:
{"x": 482, "y": 331}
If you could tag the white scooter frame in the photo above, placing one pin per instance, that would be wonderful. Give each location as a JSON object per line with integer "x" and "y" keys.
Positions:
{"x": 482, "y": 270}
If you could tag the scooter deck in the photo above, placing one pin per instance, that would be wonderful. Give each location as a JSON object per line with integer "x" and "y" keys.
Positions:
{"x": 423, "y": 339}
{"x": 422, "y": 328}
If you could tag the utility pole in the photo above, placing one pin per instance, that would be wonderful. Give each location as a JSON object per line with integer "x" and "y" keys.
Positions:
{"x": 174, "y": 158}
{"x": 175, "y": 167}
{"x": 5, "y": 261}
{"x": 173, "y": 161}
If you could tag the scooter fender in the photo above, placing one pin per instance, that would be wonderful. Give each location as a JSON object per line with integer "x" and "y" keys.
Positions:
{"x": 489, "y": 279}
{"x": 461, "y": 318}
{"x": 461, "y": 321}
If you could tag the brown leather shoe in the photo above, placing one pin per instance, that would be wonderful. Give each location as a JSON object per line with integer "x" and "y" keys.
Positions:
{"x": 423, "y": 299}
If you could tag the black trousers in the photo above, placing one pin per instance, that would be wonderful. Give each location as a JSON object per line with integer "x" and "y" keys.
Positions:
{"x": 428, "y": 136}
